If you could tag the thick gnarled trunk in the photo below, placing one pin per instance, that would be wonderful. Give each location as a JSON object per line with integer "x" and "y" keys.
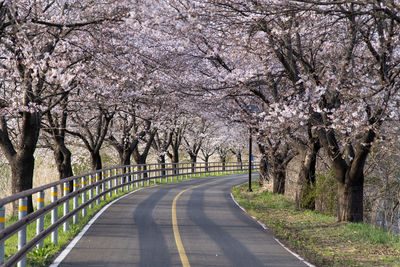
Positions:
{"x": 174, "y": 158}
{"x": 193, "y": 160}
{"x": 223, "y": 161}
{"x": 279, "y": 179}
{"x": 96, "y": 160}
{"x": 125, "y": 157}
{"x": 62, "y": 156}
{"x": 140, "y": 158}
{"x": 306, "y": 181}
{"x": 206, "y": 160}
{"x": 348, "y": 168}
{"x": 22, "y": 176}
{"x": 20, "y": 156}
{"x": 263, "y": 179}
{"x": 350, "y": 200}
{"x": 161, "y": 161}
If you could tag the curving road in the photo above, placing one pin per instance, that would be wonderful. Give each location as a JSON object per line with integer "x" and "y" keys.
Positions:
{"x": 138, "y": 230}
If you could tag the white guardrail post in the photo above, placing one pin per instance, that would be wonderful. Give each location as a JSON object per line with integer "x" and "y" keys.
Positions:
{"x": 109, "y": 183}
{"x": 40, "y": 221}
{"x": 166, "y": 173}
{"x": 124, "y": 179}
{"x": 91, "y": 180}
{"x": 121, "y": 179}
{"x": 132, "y": 177}
{"x": 103, "y": 184}
{"x": 159, "y": 167}
{"x": 142, "y": 174}
{"x": 22, "y": 212}
{"x": 136, "y": 176}
{"x": 54, "y": 215}
{"x": 116, "y": 181}
{"x": 148, "y": 171}
{"x": 98, "y": 176}
{"x": 76, "y": 201}
{"x": 84, "y": 196}
{"x": 66, "y": 206}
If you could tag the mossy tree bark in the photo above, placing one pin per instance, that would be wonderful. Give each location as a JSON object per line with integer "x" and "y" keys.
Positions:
{"x": 307, "y": 179}
{"x": 348, "y": 167}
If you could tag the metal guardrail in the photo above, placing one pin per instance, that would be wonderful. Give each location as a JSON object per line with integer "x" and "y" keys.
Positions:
{"x": 91, "y": 188}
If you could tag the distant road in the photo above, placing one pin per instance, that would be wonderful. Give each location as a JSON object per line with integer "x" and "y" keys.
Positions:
{"x": 192, "y": 223}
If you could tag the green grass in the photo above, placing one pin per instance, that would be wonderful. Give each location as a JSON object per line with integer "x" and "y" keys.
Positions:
{"x": 320, "y": 238}
{"x": 44, "y": 255}
{"x": 374, "y": 234}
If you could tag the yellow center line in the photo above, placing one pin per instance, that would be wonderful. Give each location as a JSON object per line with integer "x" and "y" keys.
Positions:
{"x": 178, "y": 240}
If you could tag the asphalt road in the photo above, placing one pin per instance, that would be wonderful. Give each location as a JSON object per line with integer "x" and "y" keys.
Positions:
{"x": 138, "y": 230}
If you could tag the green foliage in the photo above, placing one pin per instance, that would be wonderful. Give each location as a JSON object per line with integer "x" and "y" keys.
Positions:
{"x": 42, "y": 256}
{"x": 81, "y": 164}
{"x": 325, "y": 191}
{"x": 309, "y": 196}
{"x": 108, "y": 160}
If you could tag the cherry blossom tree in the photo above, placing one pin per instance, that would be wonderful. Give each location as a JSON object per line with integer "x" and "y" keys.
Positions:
{"x": 194, "y": 137}
{"x": 208, "y": 149}
{"x": 36, "y": 72}
{"x": 323, "y": 94}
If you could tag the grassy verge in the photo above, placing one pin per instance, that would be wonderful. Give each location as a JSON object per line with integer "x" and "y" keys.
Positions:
{"x": 320, "y": 238}
{"x": 45, "y": 255}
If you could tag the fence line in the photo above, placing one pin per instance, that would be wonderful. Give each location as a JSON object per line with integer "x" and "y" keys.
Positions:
{"x": 91, "y": 188}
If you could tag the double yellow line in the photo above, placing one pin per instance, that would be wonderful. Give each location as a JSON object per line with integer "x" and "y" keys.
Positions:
{"x": 178, "y": 240}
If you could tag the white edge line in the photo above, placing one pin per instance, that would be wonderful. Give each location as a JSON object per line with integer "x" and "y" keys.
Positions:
{"x": 294, "y": 254}
{"x": 254, "y": 218}
{"x": 265, "y": 228}
{"x": 71, "y": 245}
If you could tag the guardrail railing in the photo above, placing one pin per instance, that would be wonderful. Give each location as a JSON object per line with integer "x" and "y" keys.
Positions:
{"x": 90, "y": 188}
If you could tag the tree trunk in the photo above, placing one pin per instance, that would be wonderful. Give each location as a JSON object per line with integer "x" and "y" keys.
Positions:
{"x": 193, "y": 160}
{"x": 279, "y": 177}
{"x": 141, "y": 160}
{"x": 175, "y": 159}
{"x": 263, "y": 179}
{"x": 206, "y": 158}
{"x": 21, "y": 160}
{"x": 223, "y": 161}
{"x": 22, "y": 176}
{"x": 239, "y": 157}
{"x": 62, "y": 156}
{"x": 125, "y": 157}
{"x": 306, "y": 199}
{"x": 96, "y": 160}
{"x": 175, "y": 156}
{"x": 161, "y": 161}
{"x": 350, "y": 198}
{"x": 349, "y": 173}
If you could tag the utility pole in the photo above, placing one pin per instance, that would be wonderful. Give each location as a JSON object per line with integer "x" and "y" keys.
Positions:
{"x": 250, "y": 152}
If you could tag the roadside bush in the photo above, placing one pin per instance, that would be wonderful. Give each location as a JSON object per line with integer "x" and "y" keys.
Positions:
{"x": 325, "y": 191}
